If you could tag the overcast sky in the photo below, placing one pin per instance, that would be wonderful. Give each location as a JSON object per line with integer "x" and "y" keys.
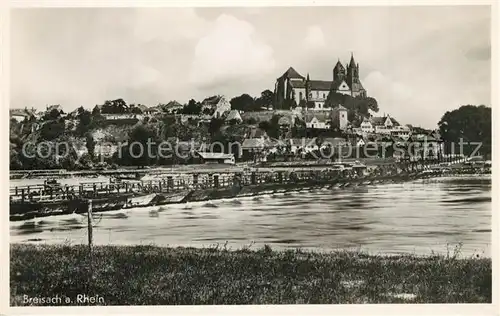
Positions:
{"x": 418, "y": 62}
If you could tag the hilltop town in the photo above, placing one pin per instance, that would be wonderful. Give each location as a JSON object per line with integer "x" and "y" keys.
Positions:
{"x": 300, "y": 116}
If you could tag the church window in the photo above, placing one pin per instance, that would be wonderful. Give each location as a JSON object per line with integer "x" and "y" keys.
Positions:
{"x": 300, "y": 95}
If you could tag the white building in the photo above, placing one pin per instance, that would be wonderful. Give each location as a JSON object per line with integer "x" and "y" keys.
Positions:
{"x": 218, "y": 104}
{"x": 401, "y": 131}
{"x": 234, "y": 115}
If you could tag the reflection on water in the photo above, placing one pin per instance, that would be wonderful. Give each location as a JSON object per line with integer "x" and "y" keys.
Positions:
{"x": 416, "y": 217}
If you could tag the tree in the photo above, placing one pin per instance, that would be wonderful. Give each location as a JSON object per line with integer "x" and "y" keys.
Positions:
{"x": 96, "y": 111}
{"x": 243, "y": 102}
{"x": 299, "y": 129}
{"x": 138, "y": 152}
{"x": 53, "y": 114}
{"x": 192, "y": 108}
{"x": 265, "y": 100}
{"x": 215, "y": 125}
{"x": 134, "y": 109}
{"x": 90, "y": 144}
{"x": 470, "y": 123}
{"x": 118, "y": 106}
{"x": 271, "y": 127}
{"x": 52, "y": 129}
{"x": 84, "y": 121}
{"x": 251, "y": 121}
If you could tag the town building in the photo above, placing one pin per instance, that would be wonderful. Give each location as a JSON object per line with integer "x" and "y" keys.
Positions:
{"x": 217, "y": 104}
{"x": 221, "y": 158}
{"x": 21, "y": 114}
{"x": 339, "y": 118}
{"x": 105, "y": 149}
{"x": 172, "y": 107}
{"x": 233, "y": 116}
{"x": 295, "y": 88}
{"x": 320, "y": 120}
{"x": 401, "y": 131}
{"x": 122, "y": 117}
{"x": 327, "y": 118}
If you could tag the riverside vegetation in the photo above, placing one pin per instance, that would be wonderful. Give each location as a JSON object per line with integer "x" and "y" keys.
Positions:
{"x": 150, "y": 275}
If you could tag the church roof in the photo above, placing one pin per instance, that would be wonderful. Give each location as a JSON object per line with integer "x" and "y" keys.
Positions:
{"x": 336, "y": 84}
{"x": 352, "y": 63}
{"x": 320, "y": 85}
{"x": 292, "y": 73}
{"x": 313, "y": 84}
{"x": 339, "y": 66}
{"x": 356, "y": 86}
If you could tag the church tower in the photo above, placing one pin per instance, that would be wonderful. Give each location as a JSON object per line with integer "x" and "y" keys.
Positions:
{"x": 338, "y": 72}
{"x": 352, "y": 71}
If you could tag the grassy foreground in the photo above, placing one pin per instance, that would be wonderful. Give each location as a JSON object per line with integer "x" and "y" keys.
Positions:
{"x": 149, "y": 275}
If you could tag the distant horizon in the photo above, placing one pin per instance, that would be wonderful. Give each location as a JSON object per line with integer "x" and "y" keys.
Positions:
{"x": 417, "y": 62}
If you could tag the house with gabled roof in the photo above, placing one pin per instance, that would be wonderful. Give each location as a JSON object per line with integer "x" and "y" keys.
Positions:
{"x": 21, "y": 114}
{"x": 217, "y": 104}
{"x": 171, "y": 107}
{"x": 383, "y": 124}
{"x": 315, "y": 120}
{"x": 233, "y": 116}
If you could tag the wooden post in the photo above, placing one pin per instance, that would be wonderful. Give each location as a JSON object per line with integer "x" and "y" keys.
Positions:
{"x": 22, "y": 195}
{"x": 126, "y": 187}
{"x": 89, "y": 220}
{"x": 16, "y": 191}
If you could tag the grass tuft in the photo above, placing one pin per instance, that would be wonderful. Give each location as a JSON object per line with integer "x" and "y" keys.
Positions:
{"x": 150, "y": 275}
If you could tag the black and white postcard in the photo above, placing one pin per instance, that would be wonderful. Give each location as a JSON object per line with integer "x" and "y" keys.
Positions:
{"x": 240, "y": 154}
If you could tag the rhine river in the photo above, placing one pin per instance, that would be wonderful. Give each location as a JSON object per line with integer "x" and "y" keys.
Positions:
{"x": 420, "y": 217}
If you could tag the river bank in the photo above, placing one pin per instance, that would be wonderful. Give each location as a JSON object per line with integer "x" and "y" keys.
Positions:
{"x": 149, "y": 275}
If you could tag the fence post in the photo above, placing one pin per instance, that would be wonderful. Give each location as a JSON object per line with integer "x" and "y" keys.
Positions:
{"x": 89, "y": 220}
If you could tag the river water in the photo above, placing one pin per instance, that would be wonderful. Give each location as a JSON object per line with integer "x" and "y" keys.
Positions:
{"x": 420, "y": 217}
